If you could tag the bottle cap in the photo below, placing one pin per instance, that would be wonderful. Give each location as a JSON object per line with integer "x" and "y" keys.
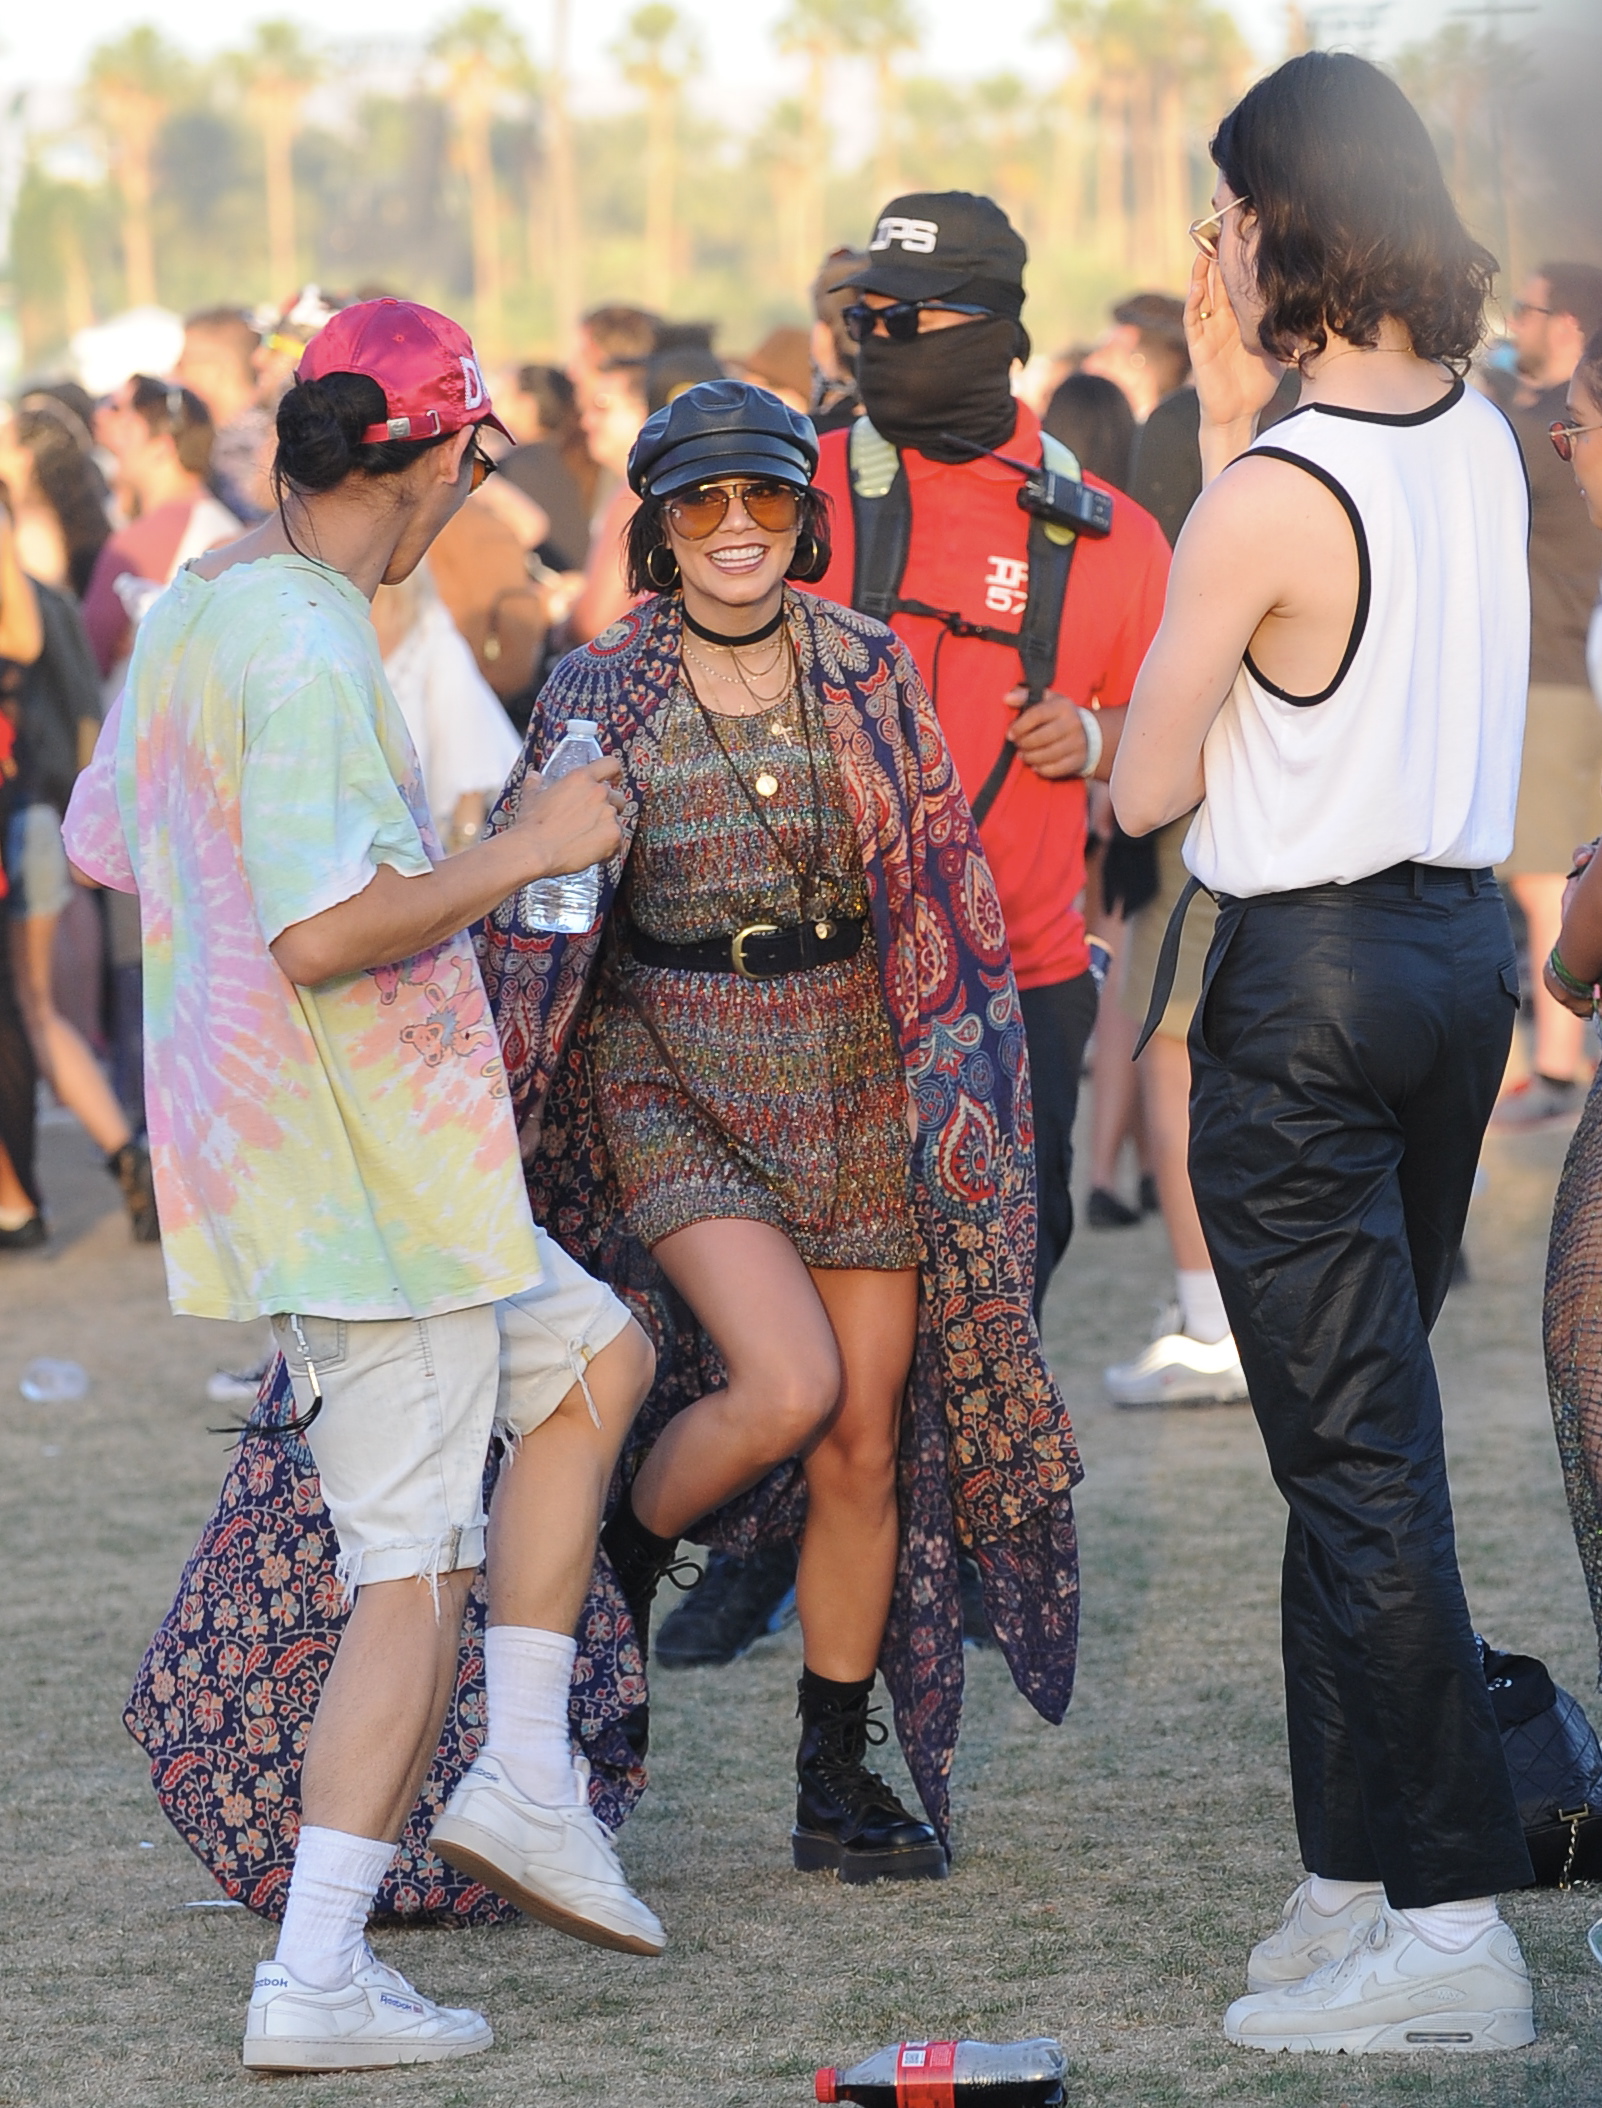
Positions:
{"x": 581, "y": 725}
{"x": 826, "y": 2085}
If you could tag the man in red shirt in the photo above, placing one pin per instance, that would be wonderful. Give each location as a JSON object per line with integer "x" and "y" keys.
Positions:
{"x": 938, "y": 302}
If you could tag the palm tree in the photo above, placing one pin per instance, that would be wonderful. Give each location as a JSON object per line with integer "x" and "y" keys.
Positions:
{"x": 278, "y": 70}
{"x": 131, "y": 85}
{"x": 882, "y": 29}
{"x": 566, "y": 261}
{"x": 482, "y": 54}
{"x": 658, "y": 51}
{"x": 819, "y": 31}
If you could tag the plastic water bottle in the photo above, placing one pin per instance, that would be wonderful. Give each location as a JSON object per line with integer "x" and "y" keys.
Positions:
{"x": 567, "y": 904}
{"x": 46, "y": 1381}
{"x": 952, "y": 2075}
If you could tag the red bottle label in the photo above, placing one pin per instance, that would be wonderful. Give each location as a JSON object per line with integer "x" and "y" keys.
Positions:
{"x": 926, "y": 2075}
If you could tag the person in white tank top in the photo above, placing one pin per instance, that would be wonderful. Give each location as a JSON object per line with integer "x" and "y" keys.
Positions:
{"x": 1339, "y": 680}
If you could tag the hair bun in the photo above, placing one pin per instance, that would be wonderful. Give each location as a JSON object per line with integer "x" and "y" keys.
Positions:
{"x": 320, "y": 427}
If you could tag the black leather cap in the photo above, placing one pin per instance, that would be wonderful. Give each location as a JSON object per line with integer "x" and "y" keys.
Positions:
{"x": 722, "y": 428}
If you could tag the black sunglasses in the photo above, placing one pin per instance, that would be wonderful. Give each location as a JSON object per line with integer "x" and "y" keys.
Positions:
{"x": 482, "y": 466}
{"x": 900, "y": 318}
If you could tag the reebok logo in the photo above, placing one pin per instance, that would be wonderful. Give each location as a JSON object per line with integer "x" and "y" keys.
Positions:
{"x": 401, "y": 2005}
{"x": 917, "y": 237}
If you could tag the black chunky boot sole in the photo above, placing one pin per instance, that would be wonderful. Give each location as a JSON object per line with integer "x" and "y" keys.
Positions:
{"x": 814, "y": 1852}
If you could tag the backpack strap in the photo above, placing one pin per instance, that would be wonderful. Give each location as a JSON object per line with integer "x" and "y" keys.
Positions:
{"x": 881, "y": 510}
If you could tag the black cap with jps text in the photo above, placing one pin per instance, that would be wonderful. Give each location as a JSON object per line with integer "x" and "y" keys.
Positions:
{"x": 946, "y": 243}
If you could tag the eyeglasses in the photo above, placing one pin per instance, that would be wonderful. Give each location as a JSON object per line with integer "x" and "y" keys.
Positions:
{"x": 900, "y": 318}
{"x": 1207, "y": 242}
{"x": 1521, "y": 308}
{"x": 1563, "y": 437}
{"x": 483, "y": 467}
{"x": 774, "y": 507}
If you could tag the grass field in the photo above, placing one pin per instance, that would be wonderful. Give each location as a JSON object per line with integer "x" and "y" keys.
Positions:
{"x": 1110, "y": 1875}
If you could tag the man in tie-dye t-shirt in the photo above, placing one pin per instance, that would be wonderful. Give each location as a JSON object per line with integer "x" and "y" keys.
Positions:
{"x": 333, "y": 1148}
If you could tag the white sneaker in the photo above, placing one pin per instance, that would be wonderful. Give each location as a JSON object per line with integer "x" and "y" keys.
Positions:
{"x": 1391, "y": 1990}
{"x": 377, "y": 2019}
{"x": 557, "y": 1864}
{"x": 1179, "y": 1370}
{"x": 1306, "y": 1938}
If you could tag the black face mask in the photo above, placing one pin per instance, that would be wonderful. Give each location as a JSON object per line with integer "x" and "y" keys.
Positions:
{"x": 946, "y": 380}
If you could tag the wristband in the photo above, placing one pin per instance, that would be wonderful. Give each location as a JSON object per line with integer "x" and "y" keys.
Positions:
{"x": 1091, "y": 721}
{"x": 1561, "y": 973}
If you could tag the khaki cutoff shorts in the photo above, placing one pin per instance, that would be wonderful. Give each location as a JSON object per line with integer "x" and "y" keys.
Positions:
{"x": 410, "y": 1404}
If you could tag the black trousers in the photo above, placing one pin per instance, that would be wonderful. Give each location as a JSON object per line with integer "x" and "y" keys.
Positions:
{"x": 1345, "y": 1056}
{"x": 19, "y": 1079}
{"x": 1057, "y": 1023}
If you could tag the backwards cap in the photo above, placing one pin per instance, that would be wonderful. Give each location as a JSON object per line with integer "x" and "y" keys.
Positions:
{"x": 424, "y": 362}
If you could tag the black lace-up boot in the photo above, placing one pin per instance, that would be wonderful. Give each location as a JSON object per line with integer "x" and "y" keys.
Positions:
{"x": 846, "y": 1818}
{"x": 642, "y": 1561}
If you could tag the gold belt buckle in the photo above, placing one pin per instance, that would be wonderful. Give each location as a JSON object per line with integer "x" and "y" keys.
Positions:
{"x": 737, "y": 947}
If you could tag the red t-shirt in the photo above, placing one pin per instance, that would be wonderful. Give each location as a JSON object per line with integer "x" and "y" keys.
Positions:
{"x": 969, "y": 552}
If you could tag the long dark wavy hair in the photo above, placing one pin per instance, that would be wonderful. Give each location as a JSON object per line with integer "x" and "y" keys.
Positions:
{"x": 647, "y": 532}
{"x": 68, "y": 479}
{"x": 1354, "y": 219}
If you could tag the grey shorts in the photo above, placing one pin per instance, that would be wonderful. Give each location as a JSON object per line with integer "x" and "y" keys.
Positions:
{"x": 409, "y": 1405}
{"x": 36, "y": 863}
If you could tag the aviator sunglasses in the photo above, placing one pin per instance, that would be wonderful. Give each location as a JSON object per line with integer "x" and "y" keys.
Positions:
{"x": 482, "y": 466}
{"x": 900, "y": 318}
{"x": 774, "y": 507}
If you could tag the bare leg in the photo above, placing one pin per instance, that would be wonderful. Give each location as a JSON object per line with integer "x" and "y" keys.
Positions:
{"x": 13, "y": 1196}
{"x": 547, "y": 1507}
{"x": 64, "y": 1061}
{"x": 379, "y": 1718}
{"x": 1115, "y": 1109}
{"x": 1559, "y": 1034}
{"x": 848, "y": 1551}
{"x": 746, "y": 1283}
{"x": 1165, "y": 1092}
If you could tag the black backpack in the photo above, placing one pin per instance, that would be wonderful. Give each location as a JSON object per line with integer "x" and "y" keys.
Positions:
{"x": 881, "y": 510}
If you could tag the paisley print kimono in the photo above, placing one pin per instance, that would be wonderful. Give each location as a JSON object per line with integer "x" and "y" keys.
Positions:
{"x": 987, "y": 1459}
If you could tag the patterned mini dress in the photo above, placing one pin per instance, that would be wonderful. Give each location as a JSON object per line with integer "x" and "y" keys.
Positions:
{"x": 781, "y": 1101}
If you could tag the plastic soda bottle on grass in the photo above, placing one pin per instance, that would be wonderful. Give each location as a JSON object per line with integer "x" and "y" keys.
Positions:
{"x": 567, "y": 904}
{"x": 952, "y": 2075}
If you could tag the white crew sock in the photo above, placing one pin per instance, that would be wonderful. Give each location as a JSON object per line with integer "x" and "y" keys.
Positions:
{"x": 528, "y": 1676}
{"x": 1330, "y": 1896}
{"x": 1452, "y": 1927}
{"x": 331, "y": 1891}
{"x": 1201, "y": 1307}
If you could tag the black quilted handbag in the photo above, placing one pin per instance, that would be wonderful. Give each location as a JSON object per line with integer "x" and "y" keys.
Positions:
{"x": 1555, "y": 1762}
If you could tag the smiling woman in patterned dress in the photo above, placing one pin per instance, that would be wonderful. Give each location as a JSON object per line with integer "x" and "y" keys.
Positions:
{"x": 798, "y": 1083}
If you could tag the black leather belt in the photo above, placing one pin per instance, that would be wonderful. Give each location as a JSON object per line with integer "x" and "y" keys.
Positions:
{"x": 762, "y": 951}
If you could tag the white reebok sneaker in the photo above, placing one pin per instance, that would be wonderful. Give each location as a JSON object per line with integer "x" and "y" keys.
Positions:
{"x": 1306, "y": 1939}
{"x": 376, "y": 2019}
{"x": 557, "y": 1864}
{"x": 1179, "y": 1370}
{"x": 1392, "y": 1991}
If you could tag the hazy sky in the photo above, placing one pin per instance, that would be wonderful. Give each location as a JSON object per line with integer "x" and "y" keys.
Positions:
{"x": 48, "y": 44}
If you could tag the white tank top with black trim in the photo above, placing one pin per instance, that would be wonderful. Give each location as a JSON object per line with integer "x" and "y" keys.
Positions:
{"x": 1412, "y": 751}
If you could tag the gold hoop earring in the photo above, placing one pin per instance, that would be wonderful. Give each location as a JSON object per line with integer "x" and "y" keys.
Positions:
{"x": 663, "y": 585}
{"x": 804, "y": 559}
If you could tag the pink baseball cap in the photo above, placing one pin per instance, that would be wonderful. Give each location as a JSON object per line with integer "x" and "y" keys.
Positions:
{"x": 424, "y": 362}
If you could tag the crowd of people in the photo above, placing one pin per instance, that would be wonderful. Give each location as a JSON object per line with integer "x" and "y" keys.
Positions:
{"x": 933, "y": 681}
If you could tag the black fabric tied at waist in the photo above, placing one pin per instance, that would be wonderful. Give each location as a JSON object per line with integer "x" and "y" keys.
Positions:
{"x": 762, "y": 951}
{"x": 1418, "y": 880}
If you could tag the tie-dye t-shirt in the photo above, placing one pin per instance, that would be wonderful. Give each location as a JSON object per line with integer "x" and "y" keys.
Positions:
{"x": 345, "y": 1150}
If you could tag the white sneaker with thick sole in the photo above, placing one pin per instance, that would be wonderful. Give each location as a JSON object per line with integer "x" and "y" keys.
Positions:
{"x": 376, "y": 2019}
{"x": 1393, "y": 1991}
{"x": 1306, "y": 1939}
{"x": 1179, "y": 1370}
{"x": 557, "y": 1864}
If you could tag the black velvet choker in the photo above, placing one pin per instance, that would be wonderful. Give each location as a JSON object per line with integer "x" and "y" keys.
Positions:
{"x": 712, "y": 636}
